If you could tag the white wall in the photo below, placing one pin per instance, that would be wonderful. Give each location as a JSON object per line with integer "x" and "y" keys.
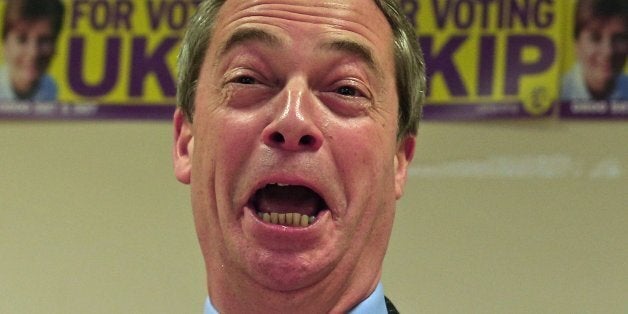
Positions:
{"x": 498, "y": 217}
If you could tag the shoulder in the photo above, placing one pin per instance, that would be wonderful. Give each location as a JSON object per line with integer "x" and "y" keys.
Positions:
{"x": 571, "y": 77}
{"x": 47, "y": 90}
{"x": 622, "y": 81}
{"x": 621, "y": 88}
{"x": 6, "y": 93}
{"x": 572, "y": 85}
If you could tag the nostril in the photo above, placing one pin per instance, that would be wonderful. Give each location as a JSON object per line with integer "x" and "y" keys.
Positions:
{"x": 291, "y": 140}
{"x": 277, "y": 137}
{"x": 306, "y": 140}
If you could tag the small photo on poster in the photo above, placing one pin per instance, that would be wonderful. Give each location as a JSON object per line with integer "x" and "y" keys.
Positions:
{"x": 595, "y": 78}
{"x": 84, "y": 59}
{"x": 30, "y": 32}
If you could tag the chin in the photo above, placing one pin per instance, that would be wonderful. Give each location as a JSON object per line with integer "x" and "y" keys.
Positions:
{"x": 287, "y": 272}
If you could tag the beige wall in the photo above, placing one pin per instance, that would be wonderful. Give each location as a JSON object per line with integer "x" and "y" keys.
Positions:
{"x": 498, "y": 217}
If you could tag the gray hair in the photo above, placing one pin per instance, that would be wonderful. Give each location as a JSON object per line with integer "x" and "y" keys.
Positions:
{"x": 409, "y": 64}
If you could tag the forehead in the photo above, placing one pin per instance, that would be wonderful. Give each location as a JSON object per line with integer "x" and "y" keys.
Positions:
{"x": 35, "y": 25}
{"x": 358, "y": 20}
{"x": 342, "y": 12}
{"x": 613, "y": 23}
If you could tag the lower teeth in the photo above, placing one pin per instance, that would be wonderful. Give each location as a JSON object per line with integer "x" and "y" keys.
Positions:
{"x": 287, "y": 219}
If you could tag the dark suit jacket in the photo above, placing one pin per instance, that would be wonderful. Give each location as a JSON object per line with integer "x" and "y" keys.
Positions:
{"x": 390, "y": 307}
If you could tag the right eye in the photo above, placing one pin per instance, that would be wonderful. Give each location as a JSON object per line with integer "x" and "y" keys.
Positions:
{"x": 348, "y": 91}
{"x": 247, "y": 80}
{"x": 244, "y": 87}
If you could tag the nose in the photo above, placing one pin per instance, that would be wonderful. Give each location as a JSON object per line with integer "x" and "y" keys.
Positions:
{"x": 606, "y": 47}
{"x": 294, "y": 127}
{"x": 31, "y": 50}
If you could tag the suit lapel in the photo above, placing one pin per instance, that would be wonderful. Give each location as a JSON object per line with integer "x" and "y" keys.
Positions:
{"x": 390, "y": 307}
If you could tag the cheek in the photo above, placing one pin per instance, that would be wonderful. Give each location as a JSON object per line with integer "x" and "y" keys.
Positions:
{"x": 583, "y": 50}
{"x": 620, "y": 53}
{"x": 366, "y": 166}
{"x": 365, "y": 158}
{"x": 11, "y": 51}
{"x": 229, "y": 138}
{"x": 237, "y": 131}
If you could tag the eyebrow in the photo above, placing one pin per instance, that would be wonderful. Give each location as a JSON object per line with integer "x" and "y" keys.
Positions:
{"x": 246, "y": 35}
{"x": 363, "y": 52}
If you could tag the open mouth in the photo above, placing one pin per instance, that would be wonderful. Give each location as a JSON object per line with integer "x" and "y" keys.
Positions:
{"x": 287, "y": 205}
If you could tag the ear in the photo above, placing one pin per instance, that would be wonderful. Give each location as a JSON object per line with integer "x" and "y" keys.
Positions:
{"x": 403, "y": 157}
{"x": 183, "y": 147}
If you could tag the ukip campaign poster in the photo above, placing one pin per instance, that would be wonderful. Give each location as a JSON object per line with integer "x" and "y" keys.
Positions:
{"x": 91, "y": 58}
{"x": 489, "y": 59}
{"x": 102, "y": 59}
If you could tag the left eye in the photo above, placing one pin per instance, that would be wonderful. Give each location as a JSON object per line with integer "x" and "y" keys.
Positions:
{"x": 347, "y": 91}
{"x": 245, "y": 80}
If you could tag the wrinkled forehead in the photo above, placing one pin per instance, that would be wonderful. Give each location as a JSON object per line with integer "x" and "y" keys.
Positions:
{"x": 359, "y": 19}
{"x": 351, "y": 11}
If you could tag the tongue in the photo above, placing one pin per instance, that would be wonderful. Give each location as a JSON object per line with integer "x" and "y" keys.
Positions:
{"x": 288, "y": 199}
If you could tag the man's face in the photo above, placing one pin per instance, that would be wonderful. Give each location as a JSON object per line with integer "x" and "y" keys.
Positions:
{"x": 296, "y": 113}
{"x": 28, "y": 49}
{"x": 602, "y": 47}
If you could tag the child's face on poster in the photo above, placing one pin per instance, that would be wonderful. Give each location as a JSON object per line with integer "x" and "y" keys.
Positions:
{"x": 28, "y": 49}
{"x": 602, "y": 47}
